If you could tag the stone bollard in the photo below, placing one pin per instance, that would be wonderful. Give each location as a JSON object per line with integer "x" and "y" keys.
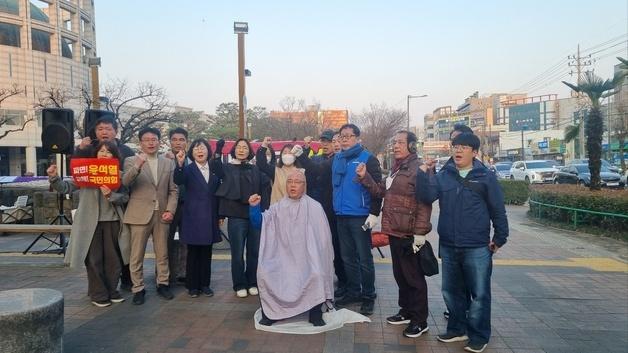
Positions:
{"x": 31, "y": 321}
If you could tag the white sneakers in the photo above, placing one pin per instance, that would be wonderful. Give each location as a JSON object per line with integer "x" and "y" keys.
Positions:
{"x": 253, "y": 291}
{"x": 241, "y": 293}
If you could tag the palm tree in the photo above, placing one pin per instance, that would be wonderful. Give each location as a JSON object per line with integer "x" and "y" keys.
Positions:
{"x": 596, "y": 89}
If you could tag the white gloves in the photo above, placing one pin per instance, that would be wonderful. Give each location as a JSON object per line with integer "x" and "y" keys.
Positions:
{"x": 418, "y": 242}
{"x": 371, "y": 221}
{"x": 297, "y": 150}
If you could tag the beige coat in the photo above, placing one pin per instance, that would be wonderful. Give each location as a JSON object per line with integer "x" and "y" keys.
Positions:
{"x": 86, "y": 219}
{"x": 144, "y": 193}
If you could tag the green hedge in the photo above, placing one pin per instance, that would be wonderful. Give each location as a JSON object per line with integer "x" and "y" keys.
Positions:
{"x": 573, "y": 196}
{"x": 516, "y": 192}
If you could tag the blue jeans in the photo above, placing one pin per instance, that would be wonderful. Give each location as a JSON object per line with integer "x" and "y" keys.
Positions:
{"x": 468, "y": 270}
{"x": 241, "y": 235}
{"x": 355, "y": 247}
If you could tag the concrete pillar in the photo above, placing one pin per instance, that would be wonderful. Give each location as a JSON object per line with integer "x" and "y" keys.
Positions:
{"x": 31, "y": 159}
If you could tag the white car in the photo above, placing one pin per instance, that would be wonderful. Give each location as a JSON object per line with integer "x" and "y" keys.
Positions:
{"x": 535, "y": 171}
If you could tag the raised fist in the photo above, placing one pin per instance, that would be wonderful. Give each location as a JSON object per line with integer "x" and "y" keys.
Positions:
{"x": 254, "y": 200}
{"x": 360, "y": 170}
{"x": 52, "y": 170}
{"x": 85, "y": 142}
{"x": 297, "y": 150}
{"x": 140, "y": 159}
{"x": 181, "y": 158}
{"x": 220, "y": 144}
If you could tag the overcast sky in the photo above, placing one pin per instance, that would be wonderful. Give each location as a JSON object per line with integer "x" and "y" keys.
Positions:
{"x": 349, "y": 54}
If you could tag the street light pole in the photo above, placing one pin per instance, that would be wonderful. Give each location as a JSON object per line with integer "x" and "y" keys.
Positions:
{"x": 241, "y": 28}
{"x": 523, "y": 153}
{"x": 408, "y": 106}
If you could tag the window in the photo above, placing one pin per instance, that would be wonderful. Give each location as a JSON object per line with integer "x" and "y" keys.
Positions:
{"x": 9, "y": 6}
{"x": 66, "y": 48}
{"x": 66, "y": 19}
{"x": 39, "y": 11}
{"x": 12, "y": 117}
{"x": 41, "y": 40}
{"x": 9, "y": 34}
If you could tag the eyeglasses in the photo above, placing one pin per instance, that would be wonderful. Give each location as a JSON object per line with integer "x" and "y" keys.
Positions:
{"x": 345, "y": 137}
{"x": 461, "y": 148}
{"x": 297, "y": 182}
{"x": 199, "y": 147}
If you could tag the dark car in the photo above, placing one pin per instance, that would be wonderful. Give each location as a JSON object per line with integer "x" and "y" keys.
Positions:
{"x": 580, "y": 174}
{"x": 605, "y": 163}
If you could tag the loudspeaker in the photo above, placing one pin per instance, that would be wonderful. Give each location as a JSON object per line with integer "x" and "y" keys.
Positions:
{"x": 57, "y": 131}
{"x": 89, "y": 121}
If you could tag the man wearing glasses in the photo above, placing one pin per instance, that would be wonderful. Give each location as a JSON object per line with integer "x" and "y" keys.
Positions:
{"x": 356, "y": 212}
{"x": 152, "y": 205}
{"x": 470, "y": 198}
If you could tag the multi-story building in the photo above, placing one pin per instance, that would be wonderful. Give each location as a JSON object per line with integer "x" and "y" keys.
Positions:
{"x": 325, "y": 119}
{"x": 43, "y": 44}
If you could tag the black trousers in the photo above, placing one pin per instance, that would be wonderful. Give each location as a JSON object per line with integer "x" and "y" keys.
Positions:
{"x": 410, "y": 280}
{"x": 176, "y": 250}
{"x": 102, "y": 262}
{"x": 339, "y": 267}
{"x": 198, "y": 266}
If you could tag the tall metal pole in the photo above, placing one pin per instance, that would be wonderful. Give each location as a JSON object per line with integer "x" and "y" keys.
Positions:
{"x": 523, "y": 155}
{"x": 241, "y": 85}
{"x": 408, "y": 111}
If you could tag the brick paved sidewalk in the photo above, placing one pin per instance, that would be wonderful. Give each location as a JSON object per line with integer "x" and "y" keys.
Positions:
{"x": 553, "y": 291}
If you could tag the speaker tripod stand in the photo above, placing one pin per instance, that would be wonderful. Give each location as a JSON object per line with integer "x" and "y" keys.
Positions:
{"x": 58, "y": 219}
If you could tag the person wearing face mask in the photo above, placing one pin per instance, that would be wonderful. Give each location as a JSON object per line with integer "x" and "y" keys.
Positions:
{"x": 279, "y": 174}
{"x": 241, "y": 179}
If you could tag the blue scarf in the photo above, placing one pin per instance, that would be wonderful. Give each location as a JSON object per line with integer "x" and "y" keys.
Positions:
{"x": 342, "y": 159}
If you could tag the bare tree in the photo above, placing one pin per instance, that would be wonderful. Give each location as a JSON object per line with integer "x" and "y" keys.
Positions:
{"x": 6, "y": 93}
{"x": 196, "y": 125}
{"x": 65, "y": 97}
{"x": 378, "y": 124}
{"x": 136, "y": 108}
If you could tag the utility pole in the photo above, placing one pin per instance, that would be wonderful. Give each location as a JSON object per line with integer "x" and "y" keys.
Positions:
{"x": 241, "y": 28}
{"x": 579, "y": 62}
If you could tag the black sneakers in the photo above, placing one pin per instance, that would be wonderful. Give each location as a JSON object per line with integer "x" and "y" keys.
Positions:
{"x": 415, "y": 330}
{"x": 101, "y": 303}
{"x": 116, "y": 298}
{"x": 164, "y": 292}
{"x": 367, "y": 307}
{"x": 397, "y": 320}
{"x": 193, "y": 293}
{"x": 208, "y": 292}
{"x": 346, "y": 300}
{"x": 475, "y": 347}
{"x": 138, "y": 298}
{"x": 451, "y": 337}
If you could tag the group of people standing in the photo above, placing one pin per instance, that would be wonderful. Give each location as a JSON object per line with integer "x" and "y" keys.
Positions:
{"x": 191, "y": 193}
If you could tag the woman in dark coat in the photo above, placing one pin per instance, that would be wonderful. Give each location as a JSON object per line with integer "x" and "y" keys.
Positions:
{"x": 199, "y": 223}
{"x": 240, "y": 180}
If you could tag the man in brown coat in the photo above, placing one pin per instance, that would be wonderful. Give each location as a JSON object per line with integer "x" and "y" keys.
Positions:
{"x": 151, "y": 208}
{"x": 406, "y": 222}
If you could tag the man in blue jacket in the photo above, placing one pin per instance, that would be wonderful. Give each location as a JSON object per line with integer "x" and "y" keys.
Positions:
{"x": 470, "y": 198}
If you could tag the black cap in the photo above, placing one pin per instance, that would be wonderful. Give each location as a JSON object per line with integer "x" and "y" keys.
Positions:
{"x": 327, "y": 135}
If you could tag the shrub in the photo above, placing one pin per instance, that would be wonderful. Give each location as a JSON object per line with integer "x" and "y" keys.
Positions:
{"x": 515, "y": 191}
{"x": 577, "y": 197}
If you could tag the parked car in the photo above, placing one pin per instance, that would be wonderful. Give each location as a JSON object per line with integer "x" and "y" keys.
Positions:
{"x": 501, "y": 169}
{"x": 534, "y": 171}
{"x": 580, "y": 174}
{"x": 605, "y": 163}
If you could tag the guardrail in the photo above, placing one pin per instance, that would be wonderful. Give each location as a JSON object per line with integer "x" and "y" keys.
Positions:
{"x": 575, "y": 211}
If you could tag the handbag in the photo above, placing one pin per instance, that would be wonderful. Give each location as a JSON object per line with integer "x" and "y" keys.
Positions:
{"x": 427, "y": 260}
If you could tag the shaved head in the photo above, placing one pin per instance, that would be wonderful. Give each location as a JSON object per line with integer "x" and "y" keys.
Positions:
{"x": 295, "y": 184}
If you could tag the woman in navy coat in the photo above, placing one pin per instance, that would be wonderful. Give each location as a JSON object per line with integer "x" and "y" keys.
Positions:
{"x": 199, "y": 223}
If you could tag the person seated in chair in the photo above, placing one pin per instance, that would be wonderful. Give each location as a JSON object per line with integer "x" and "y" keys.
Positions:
{"x": 295, "y": 271}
